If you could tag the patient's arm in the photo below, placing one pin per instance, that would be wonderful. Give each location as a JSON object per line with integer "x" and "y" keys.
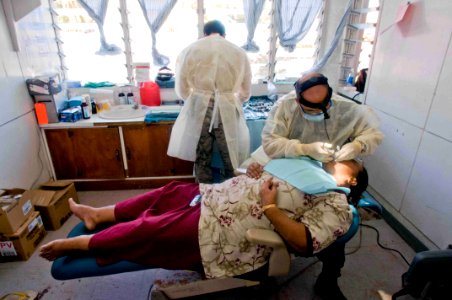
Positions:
{"x": 291, "y": 231}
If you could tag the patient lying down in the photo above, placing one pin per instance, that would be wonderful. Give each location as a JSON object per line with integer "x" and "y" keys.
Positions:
{"x": 154, "y": 227}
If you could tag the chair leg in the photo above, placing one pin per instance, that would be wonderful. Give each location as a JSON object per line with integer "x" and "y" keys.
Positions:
{"x": 402, "y": 292}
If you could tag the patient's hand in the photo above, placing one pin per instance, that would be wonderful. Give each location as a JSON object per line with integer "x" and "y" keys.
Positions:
{"x": 268, "y": 191}
{"x": 254, "y": 170}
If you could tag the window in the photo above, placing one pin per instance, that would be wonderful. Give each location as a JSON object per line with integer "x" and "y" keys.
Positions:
{"x": 359, "y": 37}
{"x": 81, "y": 39}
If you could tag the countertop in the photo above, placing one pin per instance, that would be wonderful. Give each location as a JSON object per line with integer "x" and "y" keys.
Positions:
{"x": 96, "y": 120}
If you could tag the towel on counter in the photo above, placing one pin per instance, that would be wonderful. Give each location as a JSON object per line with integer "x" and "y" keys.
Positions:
{"x": 305, "y": 174}
{"x": 155, "y": 117}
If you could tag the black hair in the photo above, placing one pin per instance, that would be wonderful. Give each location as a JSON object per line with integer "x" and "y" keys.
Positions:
{"x": 356, "y": 191}
{"x": 214, "y": 26}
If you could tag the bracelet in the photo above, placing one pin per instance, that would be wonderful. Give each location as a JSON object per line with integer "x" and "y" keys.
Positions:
{"x": 265, "y": 207}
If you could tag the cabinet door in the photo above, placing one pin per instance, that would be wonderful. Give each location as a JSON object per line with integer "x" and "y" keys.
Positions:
{"x": 146, "y": 147}
{"x": 86, "y": 153}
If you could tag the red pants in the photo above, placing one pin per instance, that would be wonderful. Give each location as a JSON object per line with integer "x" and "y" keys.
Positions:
{"x": 157, "y": 228}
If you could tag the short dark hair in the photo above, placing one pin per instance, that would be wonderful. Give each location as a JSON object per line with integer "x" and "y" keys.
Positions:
{"x": 214, "y": 26}
{"x": 356, "y": 191}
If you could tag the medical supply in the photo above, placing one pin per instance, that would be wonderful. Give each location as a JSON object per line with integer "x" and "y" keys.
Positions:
{"x": 85, "y": 110}
{"x": 74, "y": 101}
{"x": 305, "y": 174}
{"x": 72, "y": 114}
{"x": 93, "y": 107}
{"x": 150, "y": 93}
{"x": 122, "y": 99}
{"x": 103, "y": 105}
{"x": 130, "y": 98}
{"x": 141, "y": 71}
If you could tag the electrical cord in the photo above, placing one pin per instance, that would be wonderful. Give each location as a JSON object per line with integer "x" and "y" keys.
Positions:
{"x": 384, "y": 247}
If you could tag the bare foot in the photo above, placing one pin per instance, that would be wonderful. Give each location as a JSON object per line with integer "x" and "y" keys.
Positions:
{"x": 61, "y": 247}
{"x": 53, "y": 250}
{"x": 85, "y": 213}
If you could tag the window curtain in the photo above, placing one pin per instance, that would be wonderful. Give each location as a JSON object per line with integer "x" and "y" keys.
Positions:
{"x": 97, "y": 9}
{"x": 339, "y": 31}
{"x": 156, "y": 12}
{"x": 253, "y": 10}
{"x": 294, "y": 18}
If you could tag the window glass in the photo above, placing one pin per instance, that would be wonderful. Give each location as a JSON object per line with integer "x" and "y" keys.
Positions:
{"x": 81, "y": 41}
{"x": 290, "y": 65}
{"x": 178, "y": 31}
{"x": 231, "y": 14}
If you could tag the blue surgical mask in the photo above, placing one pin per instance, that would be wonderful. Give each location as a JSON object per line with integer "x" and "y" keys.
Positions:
{"x": 317, "y": 117}
{"x": 314, "y": 118}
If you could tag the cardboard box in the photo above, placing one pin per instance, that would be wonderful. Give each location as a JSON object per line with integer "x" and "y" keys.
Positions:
{"x": 51, "y": 200}
{"x": 14, "y": 210}
{"x": 21, "y": 244}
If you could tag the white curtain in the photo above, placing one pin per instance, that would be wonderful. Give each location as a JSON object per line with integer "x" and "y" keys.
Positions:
{"x": 97, "y": 9}
{"x": 156, "y": 12}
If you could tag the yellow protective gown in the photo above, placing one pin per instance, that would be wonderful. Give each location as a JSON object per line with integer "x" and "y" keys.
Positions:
{"x": 212, "y": 67}
{"x": 286, "y": 127}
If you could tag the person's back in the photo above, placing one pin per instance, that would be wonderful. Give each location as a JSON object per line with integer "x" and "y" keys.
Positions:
{"x": 213, "y": 77}
{"x": 213, "y": 64}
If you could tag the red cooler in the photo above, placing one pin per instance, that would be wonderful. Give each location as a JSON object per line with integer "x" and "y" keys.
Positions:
{"x": 150, "y": 93}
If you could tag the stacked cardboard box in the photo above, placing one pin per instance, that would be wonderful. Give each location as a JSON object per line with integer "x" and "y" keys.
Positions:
{"x": 21, "y": 244}
{"x": 21, "y": 228}
{"x": 51, "y": 200}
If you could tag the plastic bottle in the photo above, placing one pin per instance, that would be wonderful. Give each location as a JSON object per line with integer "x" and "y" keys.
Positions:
{"x": 122, "y": 99}
{"x": 85, "y": 111}
{"x": 130, "y": 98}
{"x": 349, "y": 80}
{"x": 150, "y": 93}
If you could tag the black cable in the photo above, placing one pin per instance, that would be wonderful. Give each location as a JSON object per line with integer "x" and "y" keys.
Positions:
{"x": 326, "y": 130}
{"x": 384, "y": 247}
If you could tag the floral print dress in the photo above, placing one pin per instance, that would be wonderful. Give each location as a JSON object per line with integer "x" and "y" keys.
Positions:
{"x": 230, "y": 208}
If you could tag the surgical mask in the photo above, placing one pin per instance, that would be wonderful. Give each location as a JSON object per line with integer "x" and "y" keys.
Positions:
{"x": 317, "y": 117}
{"x": 314, "y": 118}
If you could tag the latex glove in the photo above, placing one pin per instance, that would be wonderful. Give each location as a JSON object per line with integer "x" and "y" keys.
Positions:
{"x": 320, "y": 151}
{"x": 348, "y": 151}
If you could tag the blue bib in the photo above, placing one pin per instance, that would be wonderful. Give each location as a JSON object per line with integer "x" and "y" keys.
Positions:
{"x": 305, "y": 174}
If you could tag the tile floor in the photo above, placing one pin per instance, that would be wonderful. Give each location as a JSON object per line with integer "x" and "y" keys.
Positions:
{"x": 369, "y": 273}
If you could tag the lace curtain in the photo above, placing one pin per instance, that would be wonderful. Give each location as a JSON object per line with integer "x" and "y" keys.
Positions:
{"x": 97, "y": 9}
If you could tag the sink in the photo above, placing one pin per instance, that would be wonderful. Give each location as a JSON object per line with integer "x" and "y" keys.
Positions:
{"x": 124, "y": 112}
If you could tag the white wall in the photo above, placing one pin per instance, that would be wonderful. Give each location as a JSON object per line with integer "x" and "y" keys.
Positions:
{"x": 409, "y": 85}
{"x": 22, "y": 160}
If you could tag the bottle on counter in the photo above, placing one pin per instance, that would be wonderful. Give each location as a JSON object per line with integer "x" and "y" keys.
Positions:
{"x": 122, "y": 99}
{"x": 130, "y": 98}
{"x": 86, "y": 114}
{"x": 93, "y": 106}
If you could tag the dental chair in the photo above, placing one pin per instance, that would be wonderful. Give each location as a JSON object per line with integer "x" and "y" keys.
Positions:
{"x": 83, "y": 265}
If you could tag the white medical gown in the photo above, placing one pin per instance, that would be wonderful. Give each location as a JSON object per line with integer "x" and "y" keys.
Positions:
{"x": 212, "y": 67}
{"x": 286, "y": 128}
